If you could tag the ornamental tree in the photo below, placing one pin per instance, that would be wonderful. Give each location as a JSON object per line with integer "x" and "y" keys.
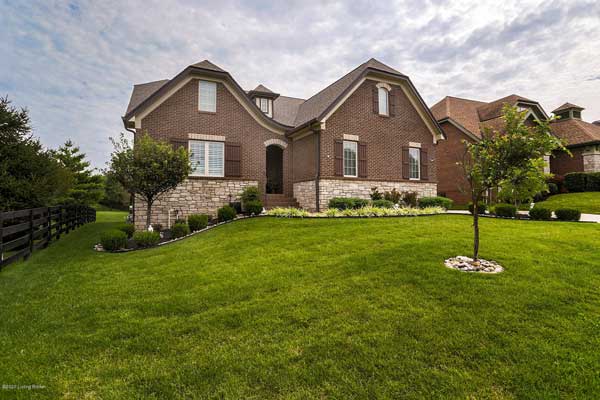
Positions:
{"x": 517, "y": 150}
{"x": 148, "y": 169}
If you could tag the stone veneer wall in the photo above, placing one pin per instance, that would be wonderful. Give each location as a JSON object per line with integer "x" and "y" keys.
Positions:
{"x": 591, "y": 159}
{"x": 304, "y": 193}
{"x": 329, "y": 188}
{"x": 194, "y": 196}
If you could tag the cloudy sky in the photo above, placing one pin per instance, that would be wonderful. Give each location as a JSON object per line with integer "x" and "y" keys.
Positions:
{"x": 73, "y": 63}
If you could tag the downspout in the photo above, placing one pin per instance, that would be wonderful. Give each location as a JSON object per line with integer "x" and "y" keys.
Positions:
{"x": 131, "y": 196}
{"x": 318, "y": 172}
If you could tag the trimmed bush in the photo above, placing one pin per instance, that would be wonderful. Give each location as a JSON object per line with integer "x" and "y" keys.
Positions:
{"x": 376, "y": 194}
{"x": 157, "y": 227}
{"x": 553, "y": 188}
{"x": 568, "y": 214}
{"x": 127, "y": 228}
{"x": 146, "y": 239}
{"x": 437, "y": 201}
{"x": 250, "y": 193}
{"x": 410, "y": 198}
{"x": 347, "y": 203}
{"x": 226, "y": 213}
{"x": 383, "y": 203}
{"x": 592, "y": 182}
{"x": 540, "y": 213}
{"x": 481, "y": 207}
{"x": 254, "y": 207}
{"x": 113, "y": 240}
{"x": 180, "y": 229}
{"x": 197, "y": 222}
{"x": 237, "y": 206}
{"x": 575, "y": 181}
{"x": 505, "y": 210}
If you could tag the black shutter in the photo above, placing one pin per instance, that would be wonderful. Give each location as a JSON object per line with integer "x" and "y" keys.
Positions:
{"x": 233, "y": 159}
{"x": 362, "y": 159}
{"x": 424, "y": 165}
{"x": 375, "y": 100}
{"x": 338, "y": 155}
{"x": 405, "y": 163}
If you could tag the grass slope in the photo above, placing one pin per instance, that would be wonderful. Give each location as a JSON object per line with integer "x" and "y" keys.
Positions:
{"x": 298, "y": 309}
{"x": 586, "y": 202}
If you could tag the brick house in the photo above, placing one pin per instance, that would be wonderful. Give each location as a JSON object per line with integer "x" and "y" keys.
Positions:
{"x": 582, "y": 139}
{"x": 464, "y": 119}
{"x": 369, "y": 128}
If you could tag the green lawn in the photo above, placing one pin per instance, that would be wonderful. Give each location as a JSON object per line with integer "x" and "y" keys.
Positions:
{"x": 300, "y": 309}
{"x": 587, "y": 202}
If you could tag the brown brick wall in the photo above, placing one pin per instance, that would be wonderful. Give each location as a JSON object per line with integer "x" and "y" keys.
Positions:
{"x": 562, "y": 163}
{"x": 451, "y": 179}
{"x": 304, "y": 158}
{"x": 385, "y": 136}
{"x": 178, "y": 116}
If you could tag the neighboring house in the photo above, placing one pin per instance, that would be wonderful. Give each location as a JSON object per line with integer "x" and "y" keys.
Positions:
{"x": 370, "y": 128}
{"x": 582, "y": 139}
{"x": 464, "y": 120}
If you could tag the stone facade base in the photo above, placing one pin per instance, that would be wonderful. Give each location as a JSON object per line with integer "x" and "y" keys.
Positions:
{"x": 591, "y": 159}
{"x": 194, "y": 196}
{"x": 329, "y": 188}
{"x": 305, "y": 195}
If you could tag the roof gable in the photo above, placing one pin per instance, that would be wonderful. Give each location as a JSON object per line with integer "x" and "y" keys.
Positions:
{"x": 567, "y": 106}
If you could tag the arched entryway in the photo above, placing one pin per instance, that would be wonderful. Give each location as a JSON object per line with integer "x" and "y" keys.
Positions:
{"x": 274, "y": 169}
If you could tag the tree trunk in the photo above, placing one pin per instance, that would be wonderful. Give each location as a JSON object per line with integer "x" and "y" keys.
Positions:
{"x": 148, "y": 213}
{"x": 475, "y": 232}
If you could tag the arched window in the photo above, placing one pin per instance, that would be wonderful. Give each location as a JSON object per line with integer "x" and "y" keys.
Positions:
{"x": 383, "y": 101}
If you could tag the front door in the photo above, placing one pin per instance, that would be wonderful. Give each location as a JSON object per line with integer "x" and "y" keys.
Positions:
{"x": 274, "y": 169}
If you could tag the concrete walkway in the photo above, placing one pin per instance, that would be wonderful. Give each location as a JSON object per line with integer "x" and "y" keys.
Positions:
{"x": 584, "y": 217}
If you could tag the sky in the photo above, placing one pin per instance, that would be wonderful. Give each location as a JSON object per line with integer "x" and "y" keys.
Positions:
{"x": 72, "y": 63}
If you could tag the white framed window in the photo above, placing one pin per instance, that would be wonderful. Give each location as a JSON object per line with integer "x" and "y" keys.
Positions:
{"x": 414, "y": 163}
{"x": 383, "y": 101}
{"x": 207, "y": 158}
{"x": 207, "y": 96}
{"x": 264, "y": 105}
{"x": 350, "y": 157}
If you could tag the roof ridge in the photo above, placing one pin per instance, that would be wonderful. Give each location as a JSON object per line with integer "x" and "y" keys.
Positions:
{"x": 156, "y": 81}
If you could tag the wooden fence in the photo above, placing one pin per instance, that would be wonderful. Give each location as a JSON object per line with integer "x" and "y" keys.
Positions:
{"x": 24, "y": 231}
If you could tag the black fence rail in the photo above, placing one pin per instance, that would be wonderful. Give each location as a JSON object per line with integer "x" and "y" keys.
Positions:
{"x": 24, "y": 231}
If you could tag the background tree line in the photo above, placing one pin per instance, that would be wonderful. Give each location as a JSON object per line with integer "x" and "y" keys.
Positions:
{"x": 33, "y": 176}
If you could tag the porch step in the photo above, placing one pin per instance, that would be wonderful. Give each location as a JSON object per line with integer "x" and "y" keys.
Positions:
{"x": 280, "y": 200}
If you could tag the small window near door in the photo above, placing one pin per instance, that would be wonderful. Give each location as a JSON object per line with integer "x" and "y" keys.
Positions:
{"x": 350, "y": 152}
{"x": 414, "y": 163}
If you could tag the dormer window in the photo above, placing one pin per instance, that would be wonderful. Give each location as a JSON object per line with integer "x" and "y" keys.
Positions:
{"x": 265, "y": 105}
{"x": 567, "y": 111}
{"x": 263, "y": 97}
{"x": 383, "y": 101}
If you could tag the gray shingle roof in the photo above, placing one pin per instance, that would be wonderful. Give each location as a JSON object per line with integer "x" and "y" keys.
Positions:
{"x": 285, "y": 109}
{"x": 142, "y": 91}
{"x": 567, "y": 106}
{"x": 208, "y": 65}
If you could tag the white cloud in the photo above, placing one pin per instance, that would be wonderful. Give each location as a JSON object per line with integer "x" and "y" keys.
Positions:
{"x": 73, "y": 63}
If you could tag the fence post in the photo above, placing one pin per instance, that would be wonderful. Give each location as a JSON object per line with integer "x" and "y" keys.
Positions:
{"x": 30, "y": 234}
{"x": 49, "y": 226}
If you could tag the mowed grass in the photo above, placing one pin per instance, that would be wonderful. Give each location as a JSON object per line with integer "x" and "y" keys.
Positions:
{"x": 309, "y": 309}
{"x": 586, "y": 202}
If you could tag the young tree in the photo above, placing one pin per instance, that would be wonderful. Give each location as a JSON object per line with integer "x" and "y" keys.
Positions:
{"x": 524, "y": 185}
{"x": 87, "y": 188}
{"x": 29, "y": 175}
{"x": 149, "y": 169}
{"x": 500, "y": 156}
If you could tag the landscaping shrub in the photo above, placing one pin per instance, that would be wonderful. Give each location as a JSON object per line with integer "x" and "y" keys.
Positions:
{"x": 575, "y": 181}
{"x": 376, "y": 194}
{"x": 383, "y": 203}
{"x": 254, "y": 207}
{"x": 127, "y": 228}
{"x": 410, "y": 198}
{"x": 394, "y": 196}
{"x": 113, "y": 239}
{"x": 553, "y": 188}
{"x": 505, "y": 210}
{"x": 226, "y": 213}
{"x": 288, "y": 212}
{"x": 146, "y": 239}
{"x": 568, "y": 214}
{"x": 250, "y": 193}
{"x": 180, "y": 229}
{"x": 481, "y": 207}
{"x": 197, "y": 222}
{"x": 157, "y": 227}
{"x": 237, "y": 206}
{"x": 437, "y": 201}
{"x": 540, "y": 213}
{"x": 347, "y": 203}
{"x": 592, "y": 182}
